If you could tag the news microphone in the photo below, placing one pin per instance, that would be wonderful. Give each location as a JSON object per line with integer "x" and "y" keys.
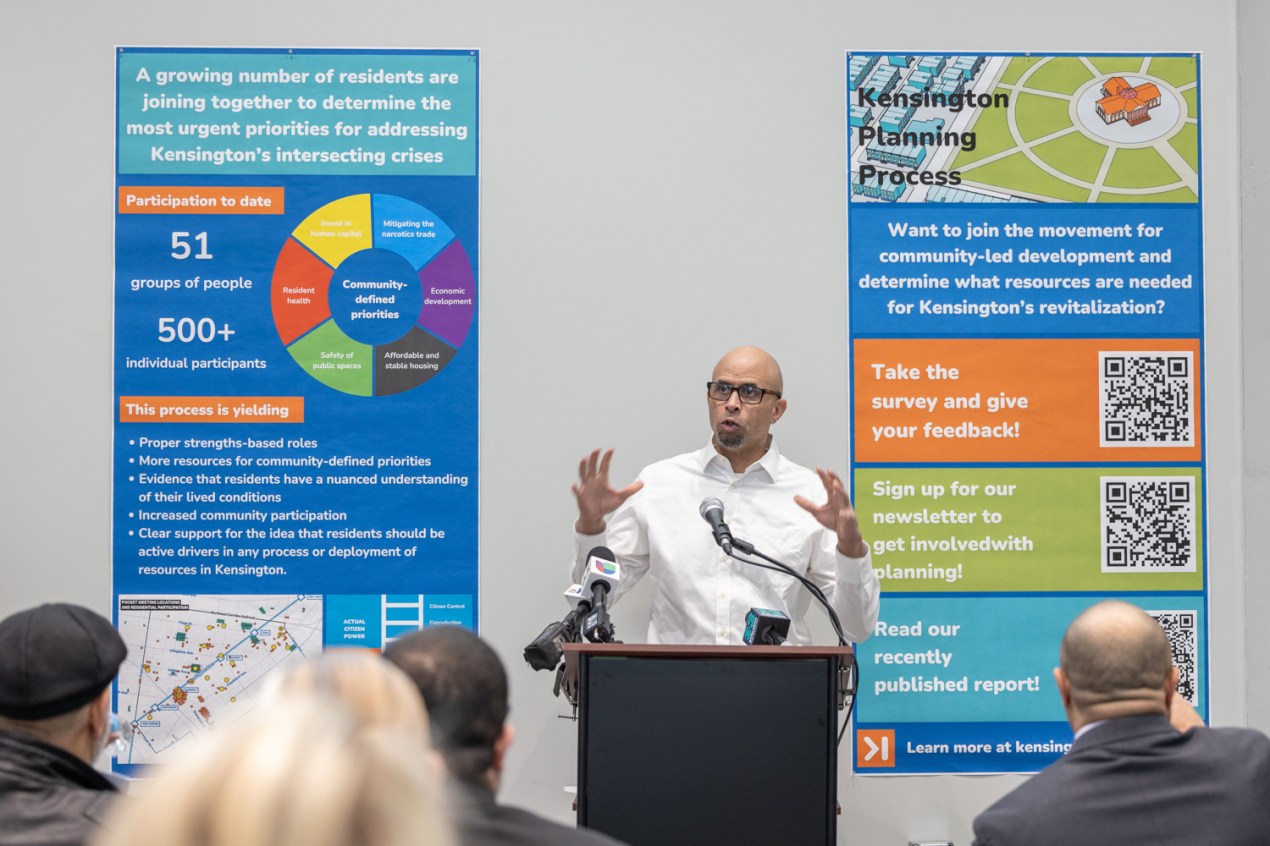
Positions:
{"x": 575, "y": 595}
{"x": 600, "y": 578}
{"x": 545, "y": 651}
{"x": 766, "y": 627}
{"x": 712, "y": 513}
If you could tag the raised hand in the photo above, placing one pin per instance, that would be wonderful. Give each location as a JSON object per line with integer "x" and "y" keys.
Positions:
{"x": 596, "y": 498}
{"x": 837, "y": 515}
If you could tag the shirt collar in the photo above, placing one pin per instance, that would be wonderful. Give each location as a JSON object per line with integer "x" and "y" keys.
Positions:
{"x": 769, "y": 463}
{"x": 1086, "y": 728}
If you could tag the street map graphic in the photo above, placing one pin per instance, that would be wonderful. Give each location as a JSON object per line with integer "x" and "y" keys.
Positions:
{"x": 196, "y": 663}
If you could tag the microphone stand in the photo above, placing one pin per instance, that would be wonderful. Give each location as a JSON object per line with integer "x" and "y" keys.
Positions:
{"x": 769, "y": 563}
{"x": 812, "y": 587}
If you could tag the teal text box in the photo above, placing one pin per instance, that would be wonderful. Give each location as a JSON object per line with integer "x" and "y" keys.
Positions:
{"x": 987, "y": 659}
{"x": 263, "y": 112}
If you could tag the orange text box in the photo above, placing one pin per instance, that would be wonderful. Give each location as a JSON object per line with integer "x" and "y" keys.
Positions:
{"x": 1017, "y": 401}
{"x": 211, "y": 409}
{"x": 179, "y": 199}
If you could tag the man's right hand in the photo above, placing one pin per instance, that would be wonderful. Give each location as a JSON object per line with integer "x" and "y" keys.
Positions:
{"x": 596, "y": 499}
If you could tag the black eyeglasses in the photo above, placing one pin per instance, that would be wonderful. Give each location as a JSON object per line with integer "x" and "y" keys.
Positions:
{"x": 748, "y": 394}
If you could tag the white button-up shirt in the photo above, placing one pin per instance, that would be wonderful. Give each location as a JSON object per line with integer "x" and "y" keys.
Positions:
{"x": 700, "y": 595}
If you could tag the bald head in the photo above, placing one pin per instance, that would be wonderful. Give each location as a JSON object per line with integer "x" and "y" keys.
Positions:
{"x": 752, "y": 360}
{"x": 742, "y": 429}
{"x": 1115, "y": 660}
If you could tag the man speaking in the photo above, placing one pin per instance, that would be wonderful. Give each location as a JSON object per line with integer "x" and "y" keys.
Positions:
{"x": 655, "y": 526}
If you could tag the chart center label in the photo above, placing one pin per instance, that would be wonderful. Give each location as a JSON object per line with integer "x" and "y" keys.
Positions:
{"x": 375, "y": 296}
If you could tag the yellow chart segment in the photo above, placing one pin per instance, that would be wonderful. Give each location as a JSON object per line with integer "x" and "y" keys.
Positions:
{"x": 339, "y": 229}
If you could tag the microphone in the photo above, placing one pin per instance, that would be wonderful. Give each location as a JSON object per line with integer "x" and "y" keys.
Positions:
{"x": 575, "y": 595}
{"x": 545, "y": 651}
{"x": 766, "y": 627}
{"x": 599, "y": 580}
{"x": 712, "y": 513}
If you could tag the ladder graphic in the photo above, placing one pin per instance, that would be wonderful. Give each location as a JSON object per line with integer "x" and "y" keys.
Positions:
{"x": 401, "y": 614}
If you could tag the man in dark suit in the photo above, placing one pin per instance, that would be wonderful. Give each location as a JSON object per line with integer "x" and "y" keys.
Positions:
{"x": 1132, "y": 776}
{"x": 464, "y": 686}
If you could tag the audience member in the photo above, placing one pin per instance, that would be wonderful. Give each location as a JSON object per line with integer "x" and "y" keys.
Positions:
{"x": 377, "y": 694}
{"x": 56, "y": 665}
{"x": 1131, "y": 776}
{"x": 304, "y": 772}
{"x": 305, "y": 769}
{"x": 464, "y": 685}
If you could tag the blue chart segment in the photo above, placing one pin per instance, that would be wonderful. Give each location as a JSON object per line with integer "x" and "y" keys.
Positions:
{"x": 373, "y": 294}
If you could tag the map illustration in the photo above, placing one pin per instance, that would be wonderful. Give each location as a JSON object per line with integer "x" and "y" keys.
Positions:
{"x": 985, "y": 129}
{"x": 196, "y": 663}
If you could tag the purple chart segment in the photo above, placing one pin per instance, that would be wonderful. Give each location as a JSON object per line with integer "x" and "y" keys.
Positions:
{"x": 449, "y": 295}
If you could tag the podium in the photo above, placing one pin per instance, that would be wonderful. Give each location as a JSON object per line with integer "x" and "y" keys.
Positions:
{"x": 708, "y": 745}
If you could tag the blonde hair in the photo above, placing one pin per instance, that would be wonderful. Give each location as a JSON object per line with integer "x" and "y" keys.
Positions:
{"x": 373, "y": 690}
{"x": 308, "y": 767}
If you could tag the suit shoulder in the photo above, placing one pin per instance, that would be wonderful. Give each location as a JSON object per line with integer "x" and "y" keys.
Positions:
{"x": 1027, "y": 810}
{"x": 513, "y": 825}
{"x": 1234, "y": 744}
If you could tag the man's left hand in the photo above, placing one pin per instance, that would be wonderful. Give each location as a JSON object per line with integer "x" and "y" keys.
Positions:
{"x": 837, "y": 515}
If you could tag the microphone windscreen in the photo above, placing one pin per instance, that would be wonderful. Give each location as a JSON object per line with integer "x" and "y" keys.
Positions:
{"x": 760, "y": 621}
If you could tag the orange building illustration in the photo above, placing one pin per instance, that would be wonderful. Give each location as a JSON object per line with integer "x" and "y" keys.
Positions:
{"x": 1123, "y": 101}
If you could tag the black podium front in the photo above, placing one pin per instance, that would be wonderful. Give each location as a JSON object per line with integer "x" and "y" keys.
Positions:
{"x": 708, "y": 744}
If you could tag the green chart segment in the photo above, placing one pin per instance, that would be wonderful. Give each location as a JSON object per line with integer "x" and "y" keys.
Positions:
{"x": 373, "y": 295}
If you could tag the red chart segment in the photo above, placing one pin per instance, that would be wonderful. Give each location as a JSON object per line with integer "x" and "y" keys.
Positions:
{"x": 300, "y": 284}
{"x": 377, "y": 273}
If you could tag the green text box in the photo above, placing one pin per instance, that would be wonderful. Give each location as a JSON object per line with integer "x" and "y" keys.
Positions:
{"x": 1031, "y": 529}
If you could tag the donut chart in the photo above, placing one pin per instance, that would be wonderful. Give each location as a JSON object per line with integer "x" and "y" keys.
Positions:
{"x": 373, "y": 295}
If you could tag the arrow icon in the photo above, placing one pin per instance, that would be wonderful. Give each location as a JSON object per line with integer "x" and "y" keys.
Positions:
{"x": 874, "y": 746}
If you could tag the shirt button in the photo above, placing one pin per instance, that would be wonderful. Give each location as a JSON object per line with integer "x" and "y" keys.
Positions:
{"x": 723, "y": 632}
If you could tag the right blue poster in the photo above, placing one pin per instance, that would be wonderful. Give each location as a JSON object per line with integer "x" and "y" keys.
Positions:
{"x": 1027, "y": 324}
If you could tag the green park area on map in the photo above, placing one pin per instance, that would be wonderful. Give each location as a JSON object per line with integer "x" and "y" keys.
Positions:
{"x": 1051, "y": 143}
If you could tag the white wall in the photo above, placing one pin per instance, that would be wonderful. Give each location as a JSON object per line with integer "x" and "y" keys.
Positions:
{"x": 1254, "y": 70}
{"x": 661, "y": 181}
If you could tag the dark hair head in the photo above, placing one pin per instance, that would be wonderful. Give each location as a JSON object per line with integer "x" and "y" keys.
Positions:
{"x": 464, "y": 686}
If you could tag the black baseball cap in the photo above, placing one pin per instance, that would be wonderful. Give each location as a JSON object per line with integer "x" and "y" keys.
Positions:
{"x": 55, "y": 658}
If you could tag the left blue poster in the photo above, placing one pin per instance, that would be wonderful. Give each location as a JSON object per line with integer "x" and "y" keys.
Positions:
{"x": 295, "y": 367}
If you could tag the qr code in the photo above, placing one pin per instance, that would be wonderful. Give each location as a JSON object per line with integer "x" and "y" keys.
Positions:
{"x": 1148, "y": 523}
{"x": 1180, "y": 628}
{"x": 1145, "y": 399}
